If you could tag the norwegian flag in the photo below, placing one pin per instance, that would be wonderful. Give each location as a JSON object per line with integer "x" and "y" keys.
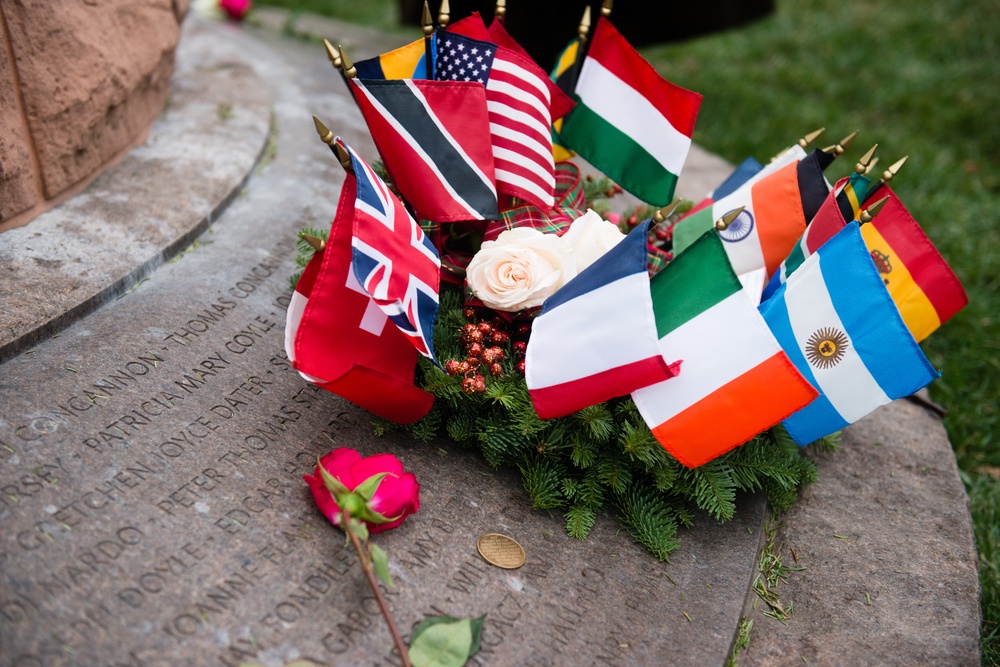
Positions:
{"x": 393, "y": 260}
{"x": 518, "y": 100}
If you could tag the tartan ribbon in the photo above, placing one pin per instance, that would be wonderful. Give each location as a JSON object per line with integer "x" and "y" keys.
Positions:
{"x": 570, "y": 204}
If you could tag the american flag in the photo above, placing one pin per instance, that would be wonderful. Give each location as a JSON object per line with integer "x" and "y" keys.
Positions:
{"x": 395, "y": 262}
{"x": 518, "y": 102}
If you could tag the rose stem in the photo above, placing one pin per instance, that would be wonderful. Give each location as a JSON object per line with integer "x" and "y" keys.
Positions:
{"x": 383, "y": 607}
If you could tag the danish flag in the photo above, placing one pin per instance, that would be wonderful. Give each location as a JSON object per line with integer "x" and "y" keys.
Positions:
{"x": 393, "y": 259}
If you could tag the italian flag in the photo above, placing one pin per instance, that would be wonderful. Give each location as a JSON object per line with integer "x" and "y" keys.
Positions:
{"x": 629, "y": 121}
{"x": 735, "y": 381}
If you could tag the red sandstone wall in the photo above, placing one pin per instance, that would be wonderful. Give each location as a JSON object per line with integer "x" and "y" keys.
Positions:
{"x": 81, "y": 81}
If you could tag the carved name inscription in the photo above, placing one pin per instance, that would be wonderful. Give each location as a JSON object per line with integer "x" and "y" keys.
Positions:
{"x": 154, "y": 514}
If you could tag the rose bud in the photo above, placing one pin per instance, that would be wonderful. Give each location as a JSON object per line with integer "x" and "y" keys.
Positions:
{"x": 469, "y": 386}
{"x": 475, "y": 349}
{"x": 485, "y": 328}
{"x": 500, "y": 337}
{"x": 470, "y": 313}
{"x": 474, "y": 362}
{"x": 492, "y": 355}
{"x": 466, "y": 330}
{"x": 474, "y": 335}
{"x": 452, "y": 367}
{"x": 464, "y": 367}
{"x": 524, "y": 329}
{"x": 496, "y": 370}
{"x": 520, "y": 348}
{"x": 374, "y": 489}
{"x": 520, "y": 366}
{"x": 479, "y": 384}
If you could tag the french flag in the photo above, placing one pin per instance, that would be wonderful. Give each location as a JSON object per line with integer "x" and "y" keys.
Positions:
{"x": 596, "y": 338}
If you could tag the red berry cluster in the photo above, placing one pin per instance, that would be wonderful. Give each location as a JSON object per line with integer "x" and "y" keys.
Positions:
{"x": 484, "y": 349}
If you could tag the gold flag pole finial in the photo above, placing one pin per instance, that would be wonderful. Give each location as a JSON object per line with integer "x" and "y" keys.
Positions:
{"x": 584, "y": 29}
{"x": 332, "y": 53}
{"x": 662, "y": 214}
{"x": 343, "y": 156}
{"x": 838, "y": 148}
{"x": 324, "y": 132}
{"x": 606, "y": 8}
{"x": 346, "y": 64}
{"x": 722, "y": 224}
{"x": 444, "y": 14}
{"x": 426, "y": 22}
{"x": 867, "y": 214}
{"x": 865, "y": 161}
{"x": 316, "y": 242}
{"x": 893, "y": 169}
{"x": 811, "y": 137}
{"x": 871, "y": 165}
{"x": 501, "y": 10}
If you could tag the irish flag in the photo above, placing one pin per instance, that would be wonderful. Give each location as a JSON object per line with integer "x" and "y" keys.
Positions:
{"x": 735, "y": 381}
{"x": 596, "y": 337}
{"x": 629, "y": 121}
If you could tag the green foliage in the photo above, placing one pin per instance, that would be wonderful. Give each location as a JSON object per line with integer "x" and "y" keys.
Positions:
{"x": 304, "y": 252}
{"x": 445, "y": 641}
{"x": 600, "y": 458}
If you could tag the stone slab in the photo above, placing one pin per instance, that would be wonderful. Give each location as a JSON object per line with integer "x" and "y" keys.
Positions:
{"x": 124, "y": 544}
{"x": 152, "y": 504}
{"x": 147, "y": 208}
{"x": 888, "y": 518}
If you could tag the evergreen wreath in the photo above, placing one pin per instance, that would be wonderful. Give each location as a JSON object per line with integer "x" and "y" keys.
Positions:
{"x": 603, "y": 457}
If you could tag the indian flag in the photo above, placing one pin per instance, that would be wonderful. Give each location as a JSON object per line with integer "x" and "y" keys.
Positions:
{"x": 735, "y": 381}
{"x": 629, "y": 121}
{"x": 839, "y": 327}
{"x": 773, "y": 219}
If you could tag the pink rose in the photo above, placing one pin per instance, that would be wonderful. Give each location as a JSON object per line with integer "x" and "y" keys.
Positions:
{"x": 396, "y": 496}
{"x": 235, "y": 9}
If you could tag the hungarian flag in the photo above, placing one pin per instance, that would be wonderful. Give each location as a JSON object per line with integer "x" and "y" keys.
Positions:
{"x": 393, "y": 260}
{"x": 776, "y": 211}
{"x": 836, "y": 322}
{"x": 520, "y": 118}
{"x": 734, "y": 381}
{"x": 596, "y": 338}
{"x": 434, "y": 139}
{"x": 629, "y": 121}
{"x": 924, "y": 288}
{"x": 406, "y": 62}
{"x": 338, "y": 337}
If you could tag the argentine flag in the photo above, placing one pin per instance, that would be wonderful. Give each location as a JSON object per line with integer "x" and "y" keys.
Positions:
{"x": 839, "y": 326}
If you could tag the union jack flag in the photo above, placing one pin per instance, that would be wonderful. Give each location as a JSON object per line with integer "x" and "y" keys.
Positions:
{"x": 392, "y": 258}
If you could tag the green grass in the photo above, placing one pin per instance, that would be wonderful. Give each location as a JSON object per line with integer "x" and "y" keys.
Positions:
{"x": 381, "y": 14}
{"x": 921, "y": 81}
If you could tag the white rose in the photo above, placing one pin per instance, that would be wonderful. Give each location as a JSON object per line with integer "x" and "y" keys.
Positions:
{"x": 590, "y": 236}
{"x": 519, "y": 270}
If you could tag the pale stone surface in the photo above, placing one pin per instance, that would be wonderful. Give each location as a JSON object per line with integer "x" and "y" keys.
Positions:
{"x": 153, "y": 511}
{"x": 145, "y": 209}
{"x": 905, "y": 538}
{"x": 94, "y": 75}
{"x": 150, "y": 459}
{"x": 18, "y": 189}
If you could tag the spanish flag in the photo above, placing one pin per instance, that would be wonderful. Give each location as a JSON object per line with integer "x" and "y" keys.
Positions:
{"x": 925, "y": 289}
